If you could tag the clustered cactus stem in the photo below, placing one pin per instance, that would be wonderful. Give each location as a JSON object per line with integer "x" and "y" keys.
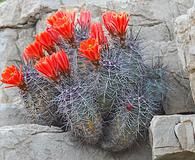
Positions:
{"x": 93, "y": 84}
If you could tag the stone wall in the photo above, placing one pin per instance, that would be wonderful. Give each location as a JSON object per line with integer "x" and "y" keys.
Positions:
{"x": 185, "y": 38}
{"x": 20, "y": 20}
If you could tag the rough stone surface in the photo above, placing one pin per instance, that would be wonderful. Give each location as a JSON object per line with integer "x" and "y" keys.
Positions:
{"x": 11, "y": 114}
{"x": 25, "y": 36}
{"x": 173, "y": 137}
{"x": 20, "y": 13}
{"x": 185, "y": 134}
{"x": 185, "y": 40}
{"x": 34, "y": 142}
{"x": 41, "y": 23}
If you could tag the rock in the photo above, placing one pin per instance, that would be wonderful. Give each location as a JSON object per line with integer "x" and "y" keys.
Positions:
{"x": 185, "y": 134}
{"x": 182, "y": 38}
{"x": 41, "y": 23}
{"x": 101, "y": 3}
{"x": 20, "y": 13}
{"x": 11, "y": 114}
{"x": 30, "y": 141}
{"x": 173, "y": 137}
{"x": 8, "y": 51}
{"x": 179, "y": 97}
{"x": 185, "y": 39}
{"x": 25, "y": 37}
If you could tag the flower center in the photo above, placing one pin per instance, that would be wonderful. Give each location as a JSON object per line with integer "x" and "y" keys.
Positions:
{"x": 90, "y": 46}
{"x": 11, "y": 74}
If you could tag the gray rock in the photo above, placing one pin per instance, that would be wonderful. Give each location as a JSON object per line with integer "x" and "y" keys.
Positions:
{"x": 185, "y": 39}
{"x": 173, "y": 137}
{"x": 11, "y": 114}
{"x": 25, "y": 37}
{"x": 41, "y": 23}
{"x": 185, "y": 134}
{"x": 20, "y": 13}
{"x": 35, "y": 142}
{"x": 101, "y": 3}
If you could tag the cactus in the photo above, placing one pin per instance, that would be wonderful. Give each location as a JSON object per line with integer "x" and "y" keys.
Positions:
{"x": 107, "y": 100}
{"x": 78, "y": 108}
{"x": 38, "y": 98}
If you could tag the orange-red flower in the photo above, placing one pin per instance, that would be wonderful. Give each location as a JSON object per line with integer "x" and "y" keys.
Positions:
{"x": 59, "y": 18}
{"x": 116, "y": 23}
{"x": 55, "y": 36}
{"x": 66, "y": 30}
{"x": 48, "y": 67}
{"x": 53, "y": 19}
{"x": 98, "y": 33}
{"x": 63, "y": 62}
{"x": 90, "y": 49}
{"x": 46, "y": 40}
{"x": 51, "y": 66}
{"x": 33, "y": 51}
{"x": 63, "y": 23}
{"x": 14, "y": 77}
{"x": 84, "y": 20}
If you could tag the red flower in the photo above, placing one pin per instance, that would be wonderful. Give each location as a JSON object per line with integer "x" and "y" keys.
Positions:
{"x": 63, "y": 23}
{"x": 98, "y": 34}
{"x": 116, "y": 23}
{"x": 66, "y": 30}
{"x": 46, "y": 40}
{"x": 33, "y": 51}
{"x": 84, "y": 20}
{"x": 55, "y": 36}
{"x": 63, "y": 62}
{"x": 59, "y": 18}
{"x": 13, "y": 76}
{"x": 90, "y": 49}
{"x": 51, "y": 66}
{"x": 48, "y": 67}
